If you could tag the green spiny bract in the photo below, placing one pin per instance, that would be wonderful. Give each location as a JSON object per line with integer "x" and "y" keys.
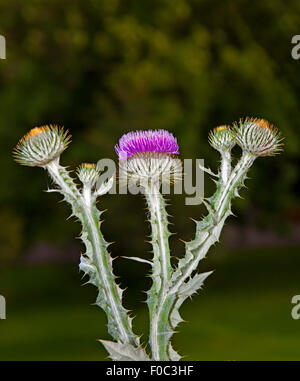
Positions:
{"x": 41, "y": 145}
{"x": 88, "y": 174}
{"x": 258, "y": 137}
{"x": 222, "y": 138}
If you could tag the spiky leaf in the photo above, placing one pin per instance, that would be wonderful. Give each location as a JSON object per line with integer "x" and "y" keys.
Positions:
{"x": 124, "y": 352}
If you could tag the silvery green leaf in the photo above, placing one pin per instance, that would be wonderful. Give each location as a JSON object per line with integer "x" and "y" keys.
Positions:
{"x": 105, "y": 187}
{"x": 174, "y": 356}
{"x": 124, "y": 352}
{"x": 208, "y": 170}
{"x": 193, "y": 285}
{"x": 187, "y": 289}
{"x": 137, "y": 259}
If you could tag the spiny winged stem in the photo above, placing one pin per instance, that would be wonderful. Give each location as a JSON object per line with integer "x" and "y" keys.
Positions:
{"x": 170, "y": 288}
{"x": 165, "y": 315}
{"x": 42, "y": 147}
{"x": 257, "y": 138}
{"x": 161, "y": 273}
{"x": 96, "y": 262}
{"x": 210, "y": 228}
{"x": 225, "y": 165}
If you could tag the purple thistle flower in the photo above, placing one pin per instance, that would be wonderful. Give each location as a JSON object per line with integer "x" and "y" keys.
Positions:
{"x": 158, "y": 141}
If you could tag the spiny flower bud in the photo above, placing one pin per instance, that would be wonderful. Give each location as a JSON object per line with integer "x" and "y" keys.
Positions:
{"x": 149, "y": 157}
{"x": 222, "y": 138}
{"x": 258, "y": 137}
{"x": 88, "y": 174}
{"x": 41, "y": 145}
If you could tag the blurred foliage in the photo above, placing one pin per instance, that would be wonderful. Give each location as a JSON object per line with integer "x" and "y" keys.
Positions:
{"x": 105, "y": 67}
{"x": 11, "y": 234}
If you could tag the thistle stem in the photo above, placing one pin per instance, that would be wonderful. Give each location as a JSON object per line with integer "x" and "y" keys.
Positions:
{"x": 222, "y": 211}
{"x": 236, "y": 178}
{"x": 225, "y": 165}
{"x": 161, "y": 273}
{"x": 62, "y": 178}
{"x": 84, "y": 208}
{"x": 102, "y": 264}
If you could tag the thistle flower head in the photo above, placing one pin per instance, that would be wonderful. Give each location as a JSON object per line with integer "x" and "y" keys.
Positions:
{"x": 88, "y": 174}
{"x": 258, "y": 137}
{"x": 158, "y": 141}
{"x": 150, "y": 157}
{"x": 222, "y": 138}
{"x": 41, "y": 145}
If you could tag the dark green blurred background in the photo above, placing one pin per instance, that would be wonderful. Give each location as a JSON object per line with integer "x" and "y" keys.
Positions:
{"x": 102, "y": 68}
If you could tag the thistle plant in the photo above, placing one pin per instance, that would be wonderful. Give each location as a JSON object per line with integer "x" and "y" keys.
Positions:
{"x": 149, "y": 159}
